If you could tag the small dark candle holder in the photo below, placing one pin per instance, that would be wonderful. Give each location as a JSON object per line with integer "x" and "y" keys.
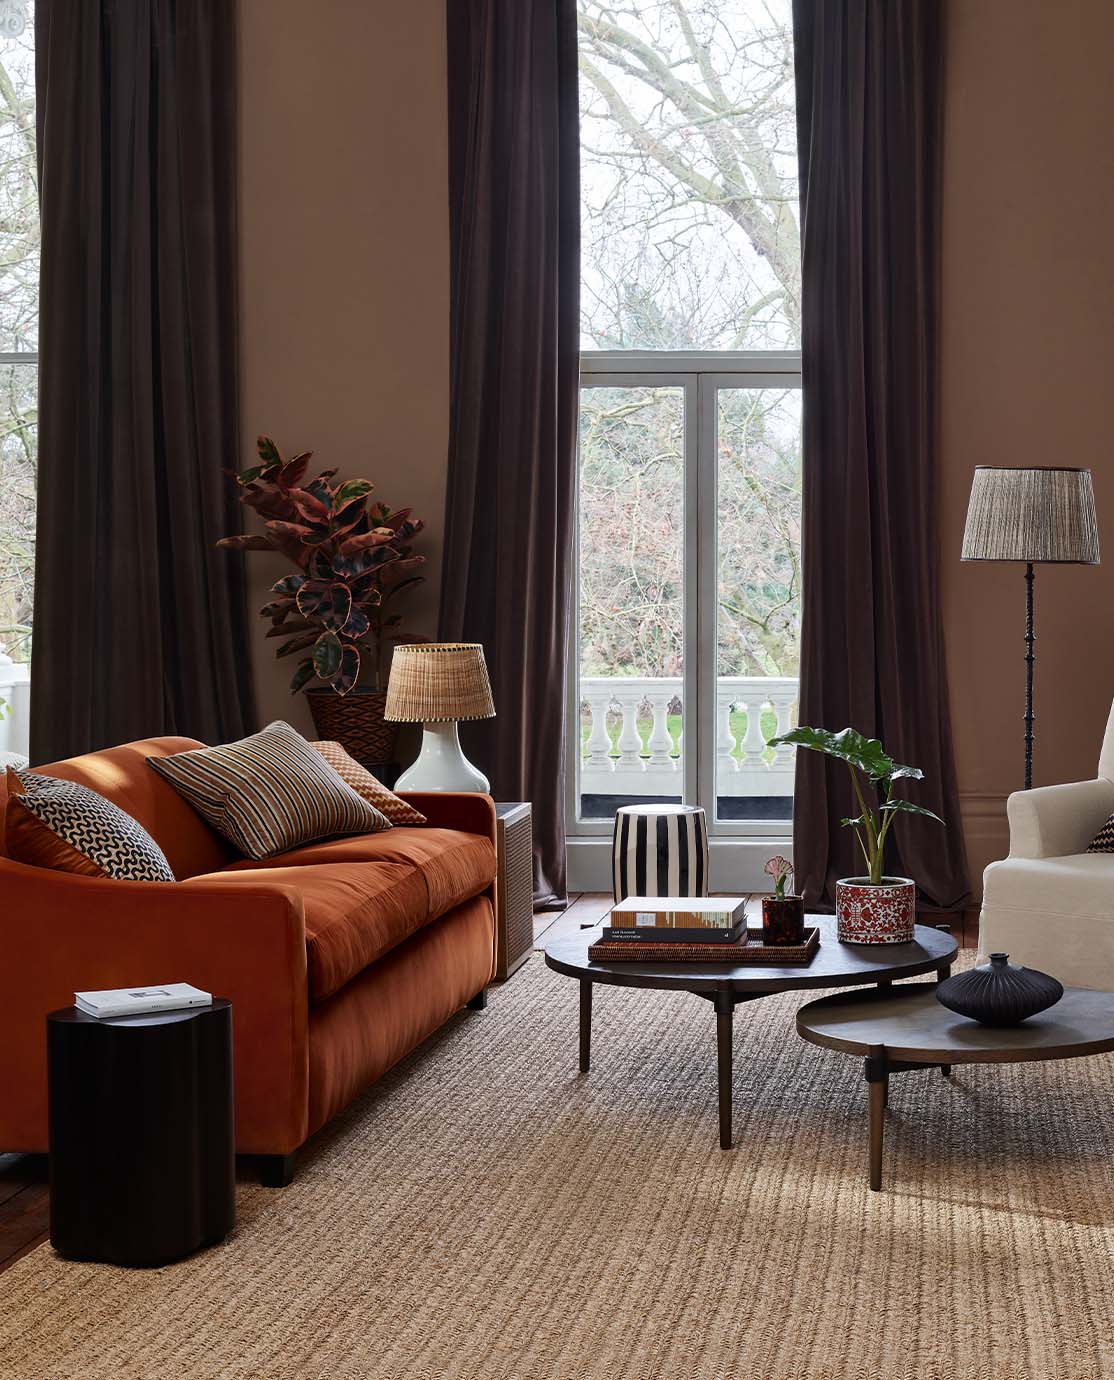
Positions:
{"x": 783, "y": 920}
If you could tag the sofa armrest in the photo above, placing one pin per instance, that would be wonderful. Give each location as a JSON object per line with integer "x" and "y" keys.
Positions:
{"x": 62, "y": 933}
{"x": 466, "y": 810}
{"x": 1055, "y": 821}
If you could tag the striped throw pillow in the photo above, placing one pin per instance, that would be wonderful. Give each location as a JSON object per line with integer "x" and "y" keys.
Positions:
{"x": 268, "y": 793}
{"x": 70, "y": 828}
{"x": 363, "y": 783}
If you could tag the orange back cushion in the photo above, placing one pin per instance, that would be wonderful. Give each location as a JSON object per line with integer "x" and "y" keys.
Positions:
{"x": 122, "y": 775}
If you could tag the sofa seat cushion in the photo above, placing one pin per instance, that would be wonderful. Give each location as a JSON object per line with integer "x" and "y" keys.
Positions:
{"x": 366, "y": 894}
{"x": 455, "y": 866}
{"x": 355, "y": 912}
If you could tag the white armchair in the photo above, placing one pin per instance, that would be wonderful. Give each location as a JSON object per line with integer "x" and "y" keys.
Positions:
{"x": 1050, "y": 904}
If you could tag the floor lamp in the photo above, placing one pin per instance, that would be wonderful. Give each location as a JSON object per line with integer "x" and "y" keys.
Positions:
{"x": 1037, "y": 516}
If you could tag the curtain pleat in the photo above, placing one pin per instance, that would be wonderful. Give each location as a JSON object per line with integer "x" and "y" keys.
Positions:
{"x": 140, "y": 623}
{"x": 514, "y": 339}
{"x": 872, "y": 655}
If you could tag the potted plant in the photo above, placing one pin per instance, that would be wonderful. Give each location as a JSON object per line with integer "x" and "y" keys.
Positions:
{"x": 783, "y": 917}
{"x": 352, "y": 560}
{"x": 874, "y": 909}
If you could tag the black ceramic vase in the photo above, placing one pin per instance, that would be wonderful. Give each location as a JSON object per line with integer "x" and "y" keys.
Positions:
{"x": 1000, "y": 992}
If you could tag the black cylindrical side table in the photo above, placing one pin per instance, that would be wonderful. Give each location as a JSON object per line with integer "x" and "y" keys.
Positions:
{"x": 142, "y": 1167}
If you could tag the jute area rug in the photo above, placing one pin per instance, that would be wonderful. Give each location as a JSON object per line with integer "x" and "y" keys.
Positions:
{"x": 487, "y": 1212}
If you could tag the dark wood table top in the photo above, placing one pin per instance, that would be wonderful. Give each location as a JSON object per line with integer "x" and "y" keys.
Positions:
{"x": 910, "y": 1024}
{"x": 834, "y": 964}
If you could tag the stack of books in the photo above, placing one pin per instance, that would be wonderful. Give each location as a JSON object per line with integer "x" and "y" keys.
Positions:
{"x": 681, "y": 928}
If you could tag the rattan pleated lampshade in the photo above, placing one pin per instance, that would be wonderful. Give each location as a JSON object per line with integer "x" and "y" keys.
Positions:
{"x": 1033, "y": 515}
{"x": 439, "y": 682}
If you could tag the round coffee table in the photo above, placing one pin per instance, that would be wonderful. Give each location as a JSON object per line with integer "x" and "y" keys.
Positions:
{"x": 725, "y": 986}
{"x": 907, "y": 1028}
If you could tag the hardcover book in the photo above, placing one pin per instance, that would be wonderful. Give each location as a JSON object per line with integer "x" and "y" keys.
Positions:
{"x": 678, "y": 913}
{"x": 659, "y": 934}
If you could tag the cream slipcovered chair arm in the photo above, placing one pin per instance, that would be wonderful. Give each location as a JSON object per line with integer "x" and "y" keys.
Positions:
{"x": 1055, "y": 821}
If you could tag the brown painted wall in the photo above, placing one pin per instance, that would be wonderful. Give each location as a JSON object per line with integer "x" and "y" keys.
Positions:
{"x": 344, "y": 261}
{"x": 1027, "y": 328}
{"x": 345, "y": 319}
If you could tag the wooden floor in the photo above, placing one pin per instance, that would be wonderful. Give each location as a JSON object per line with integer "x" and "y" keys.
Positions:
{"x": 24, "y": 1199}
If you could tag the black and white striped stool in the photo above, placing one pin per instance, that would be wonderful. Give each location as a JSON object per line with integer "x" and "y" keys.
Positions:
{"x": 660, "y": 850}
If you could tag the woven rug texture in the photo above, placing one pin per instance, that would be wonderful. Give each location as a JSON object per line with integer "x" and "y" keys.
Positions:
{"x": 486, "y": 1211}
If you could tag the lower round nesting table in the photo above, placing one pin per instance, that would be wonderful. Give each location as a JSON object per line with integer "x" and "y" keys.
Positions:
{"x": 142, "y": 1164}
{"x": 906, "y": 1028}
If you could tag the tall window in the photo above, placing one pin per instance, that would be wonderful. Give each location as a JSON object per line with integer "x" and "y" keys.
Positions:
{"x": 19, "y": 326}
{"x": 688, "y": 585}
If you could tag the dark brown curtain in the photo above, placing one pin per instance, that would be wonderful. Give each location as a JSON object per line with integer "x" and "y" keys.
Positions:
{"x": 140, "y": 625}
{"x": 514, "y": 234}
{"x": 868, "y": 97}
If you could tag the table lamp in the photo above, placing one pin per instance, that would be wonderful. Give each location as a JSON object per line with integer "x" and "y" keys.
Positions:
{"x": 1036, "y": 516}
{"x": 436, "y": 684}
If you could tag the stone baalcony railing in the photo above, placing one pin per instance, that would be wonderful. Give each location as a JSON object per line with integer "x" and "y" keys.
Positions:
{"x": 745, "y": 766}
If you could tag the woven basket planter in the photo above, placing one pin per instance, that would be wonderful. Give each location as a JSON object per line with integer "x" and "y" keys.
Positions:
{"x": 356, "y": 722}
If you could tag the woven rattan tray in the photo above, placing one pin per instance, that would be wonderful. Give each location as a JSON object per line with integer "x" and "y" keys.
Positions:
{"x": 752, "y": 952}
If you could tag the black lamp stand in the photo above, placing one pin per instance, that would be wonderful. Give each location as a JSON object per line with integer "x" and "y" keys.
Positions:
{"x": 1029, "y": 658}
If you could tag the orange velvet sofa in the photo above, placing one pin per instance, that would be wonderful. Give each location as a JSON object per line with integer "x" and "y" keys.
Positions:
{"x": 339, "y": 957}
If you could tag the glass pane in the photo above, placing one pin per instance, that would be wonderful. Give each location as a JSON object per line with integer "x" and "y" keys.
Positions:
{"x": 18, "y": 410}
{"x": 689, "y": 199}
{"x": 19, "y": 199}
{"x": 758, "y": 612}
{"x": 631, "y": 541}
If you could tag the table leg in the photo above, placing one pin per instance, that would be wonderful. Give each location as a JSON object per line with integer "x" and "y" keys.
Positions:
{"x": 878, "y": 1081}
{"x": 725, "y": 1012}
{"x": 945, "y": 1070}
{"x": 585, "y": 1025}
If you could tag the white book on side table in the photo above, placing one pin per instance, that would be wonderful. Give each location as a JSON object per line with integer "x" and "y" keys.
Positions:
{"x": 136, "y": 1001}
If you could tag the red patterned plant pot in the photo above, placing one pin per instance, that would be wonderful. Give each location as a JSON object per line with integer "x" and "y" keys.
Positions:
{"x": 875, "y": 914}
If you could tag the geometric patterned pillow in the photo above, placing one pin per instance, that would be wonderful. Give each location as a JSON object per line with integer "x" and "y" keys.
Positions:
{"x": 1103, "y": 842}
{"x": 268, "y": 793}
{"x": 69, "y": 828}
{"x": 364, "y": 783}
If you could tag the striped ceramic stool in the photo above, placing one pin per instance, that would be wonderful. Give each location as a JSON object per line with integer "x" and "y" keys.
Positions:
{"x": 660, "y": 850}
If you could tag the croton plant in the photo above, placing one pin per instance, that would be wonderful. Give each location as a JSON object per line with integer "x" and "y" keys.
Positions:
{"x": 353, "y": 559}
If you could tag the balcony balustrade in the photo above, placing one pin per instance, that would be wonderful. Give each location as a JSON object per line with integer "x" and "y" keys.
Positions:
{"x": 749, "y": 711}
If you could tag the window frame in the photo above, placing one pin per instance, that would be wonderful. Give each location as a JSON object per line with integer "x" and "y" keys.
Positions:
{"x": 699, "y": 374}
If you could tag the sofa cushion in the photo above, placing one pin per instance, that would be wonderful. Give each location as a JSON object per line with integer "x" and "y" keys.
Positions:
{"x": 269, "y": 792}
{"x": 454, "y": 865}
{"x": 120, "y": 774}
{"x": 362, "y": 898}
{"x": 365, "y": 784}
{"x": 355, "y": 912}
{"x": 59, "y": 824}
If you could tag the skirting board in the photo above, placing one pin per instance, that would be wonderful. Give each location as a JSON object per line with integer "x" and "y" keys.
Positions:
{"x": 734, "y": 865}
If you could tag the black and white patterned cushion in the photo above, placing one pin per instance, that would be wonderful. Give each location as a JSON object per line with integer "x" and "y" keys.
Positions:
{"x": 108, "y": 836}
{"x": 1103, "y": 842}
{"x": 268, "y": 793}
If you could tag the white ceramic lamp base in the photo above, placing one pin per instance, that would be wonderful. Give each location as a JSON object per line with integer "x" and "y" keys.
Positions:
{"x": 441, "y": 765}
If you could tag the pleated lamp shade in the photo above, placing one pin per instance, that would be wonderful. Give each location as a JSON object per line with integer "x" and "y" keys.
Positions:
{"x": 1034, "y": 515}
{"x": 438, "y": 682}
